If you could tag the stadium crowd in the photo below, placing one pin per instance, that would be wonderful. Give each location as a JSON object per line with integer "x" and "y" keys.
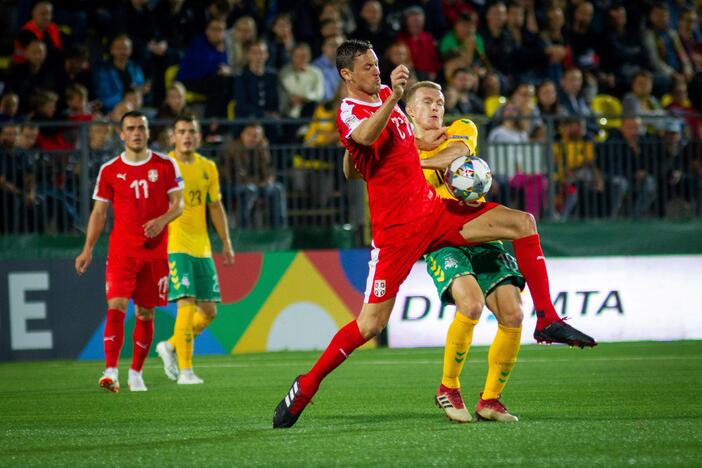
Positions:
{"x": 613, "y": 87}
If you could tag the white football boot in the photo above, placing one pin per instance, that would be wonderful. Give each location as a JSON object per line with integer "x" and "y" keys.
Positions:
{"x": 167, "y": 354}
{"x": 110, "y": 380}
{"x": 188, "y": 377}
{"x": 136, "y": 381}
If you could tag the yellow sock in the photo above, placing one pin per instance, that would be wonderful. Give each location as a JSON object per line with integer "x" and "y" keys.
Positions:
{"x": 501, "y": 358}
{"x": 458, "y": 339}
{"x": 183, "y": 334}
{"x": 200, "y": 322}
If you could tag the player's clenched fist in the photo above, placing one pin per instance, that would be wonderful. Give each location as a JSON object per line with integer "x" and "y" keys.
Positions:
{"x": 82, "y": 261}
{"x": 398, "y": 79}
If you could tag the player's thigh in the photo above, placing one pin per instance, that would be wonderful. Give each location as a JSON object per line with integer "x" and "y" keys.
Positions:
{"x": 208, "y": 308}
{"x": 374, "y": 317}
{"x": 121, "y": 275}
{"x": 152, "y": 284}
{"x": 181, "y": 277}
{"x": 505, "y": 301}
{"x": 449, "y": 265}
{"x": 499, "y": 223}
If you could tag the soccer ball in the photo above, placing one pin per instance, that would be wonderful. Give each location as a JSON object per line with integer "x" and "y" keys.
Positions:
{"x": 468, "y": 178}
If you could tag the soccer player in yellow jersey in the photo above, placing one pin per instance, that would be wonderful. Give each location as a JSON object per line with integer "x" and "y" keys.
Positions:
{"x": 193, "y": 278}
{"x": 468, "y": 276}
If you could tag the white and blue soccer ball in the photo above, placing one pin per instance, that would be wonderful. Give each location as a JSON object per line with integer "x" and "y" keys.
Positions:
{"x": 468, "y": 178}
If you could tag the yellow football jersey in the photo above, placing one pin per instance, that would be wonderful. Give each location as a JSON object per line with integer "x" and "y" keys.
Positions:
{"x": 188, "y": 233}
{"x": 462, "y": 130}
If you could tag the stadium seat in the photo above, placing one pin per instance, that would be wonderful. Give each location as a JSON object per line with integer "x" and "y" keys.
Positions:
{"x": 607, "y": 107}
{"x": 5, "y": 62}
{"x": 231, "y": 107}
{"x": 667, "y": 100}
{"x": 493, "y": 103}
{"x": 169, "y": 78}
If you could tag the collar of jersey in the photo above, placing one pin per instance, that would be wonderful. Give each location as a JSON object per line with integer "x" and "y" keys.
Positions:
{"x": 129, "y": 163}
{"x": 365, "y": 103}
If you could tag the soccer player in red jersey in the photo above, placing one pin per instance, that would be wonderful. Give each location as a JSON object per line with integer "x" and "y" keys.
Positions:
{"x": 145, "y": 190}
{"x": 407, "y": 216}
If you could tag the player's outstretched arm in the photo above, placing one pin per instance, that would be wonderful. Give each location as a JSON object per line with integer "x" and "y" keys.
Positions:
{"x": 153, "y": 227}
{"x": 219, "y": 220}
{"x": 96, "y": 224}
{"x": 443, "y": 158}
{"x": 350, "y": 171}
{"x": 370, "y": 129}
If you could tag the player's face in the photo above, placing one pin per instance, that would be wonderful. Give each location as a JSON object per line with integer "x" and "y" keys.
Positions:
{"x": 135, "y": 133}
{"x": 365, "y": 75}
{"x": 186, "y": 137}
{"x": 427, "y": 108}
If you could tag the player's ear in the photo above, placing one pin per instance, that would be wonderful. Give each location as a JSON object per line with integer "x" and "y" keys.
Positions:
{"x": 345, "y": 74}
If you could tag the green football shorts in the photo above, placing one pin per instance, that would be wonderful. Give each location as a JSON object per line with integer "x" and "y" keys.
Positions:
{"x": 192, "y": 277}
{"x": 490, "y": 264}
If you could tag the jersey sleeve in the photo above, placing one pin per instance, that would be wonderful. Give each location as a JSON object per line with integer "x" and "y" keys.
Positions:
{"x": 213, "y": 192}
{"x": 174, "y": 180}
{"x": 349, "y": 119}
{"x": 464, "y": 131}
{"x": 103, "y": 186}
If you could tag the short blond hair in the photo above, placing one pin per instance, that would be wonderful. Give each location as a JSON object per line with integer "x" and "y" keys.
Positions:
{"x": 420, "y": 84}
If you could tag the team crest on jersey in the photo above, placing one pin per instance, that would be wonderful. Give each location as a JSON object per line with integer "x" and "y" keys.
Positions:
{"x": 450, "y": 262}
{"x": 379, "y": 288}
{"x": 153, "y": 175}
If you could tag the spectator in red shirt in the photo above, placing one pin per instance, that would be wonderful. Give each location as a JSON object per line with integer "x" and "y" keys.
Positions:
{"x": 421, "y": 44}
{"x": 41, "y": 28}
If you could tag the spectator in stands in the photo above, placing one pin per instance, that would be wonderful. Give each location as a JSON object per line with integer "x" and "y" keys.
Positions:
{"x": 581, "y": 184}
{"x": 114, "y": 77}
{"x": 584, "y": 43}
{"x": 555, "y": 46}
{"x": 499, "y": 44}
{"x": 75, "y": 70}
{"x": 174, "y": 104}
{"x": 490, "y": 86}
{"x": 505, "y": 153}
{"x": 371, "y": 27}
{"x": 692, "y": 163}
{"x": 280, "y": 41}
{"x": 103, "y": 143}
{"x": 641, "y": 103}
{"x": 675, "y": 185}
{"x": 248, "y": 172}
{"x": 39, "y": 28}
{"x": 691, "y": 36}
{"x": 622, "y": 52}
{"x": 528, "y": 57}
{"x": 322, "y": 130}
{"x": 77, "y": 107}
{"x": 572, "y": 102}
{"x": 9, "y": 106}
{"x": 627, "y": 159}
{"x": 665, "y": 51}
{"x": 256, "y": 91}
{"x": 204, "y": 69}
{"x": 51, "y": 137}
{"x": 422, "y": 45}
{"x": 238, "y": 39}
{"x": 460, "y": 94}
{"x": 523, "y": 99}
{"x": 453, "y": 10}
{"x": 32, "y": 75}
{"x": 397, "y": 54}
{"x": 18, "y": 196}
{"x": 332, "y": 27}
{"x": 326, "y": 63}
{"x": 680, "y": 106}
{"x": 177, "y": 24}
{"x": 547, "y": 99}
{"x": 465, "y": 40}
{"x": 301, "y": 84}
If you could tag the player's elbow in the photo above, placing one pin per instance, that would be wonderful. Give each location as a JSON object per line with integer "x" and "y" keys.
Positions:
{"x": 525, "y": 225}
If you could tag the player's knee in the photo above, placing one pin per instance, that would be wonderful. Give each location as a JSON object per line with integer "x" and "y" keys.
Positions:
{"x": 525, "y": 224}
{"x": 144, "y": 314}
{"x": 371, "y": 328}
{"x": 512, "y": 315}
{"x": 470, "y": 307}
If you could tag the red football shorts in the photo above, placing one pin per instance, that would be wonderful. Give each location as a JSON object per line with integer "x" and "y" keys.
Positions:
{"x": 399, "y": 247}
{"x": 144, "y": 280}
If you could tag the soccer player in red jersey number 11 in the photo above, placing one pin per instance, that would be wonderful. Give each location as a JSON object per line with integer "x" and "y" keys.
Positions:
{"x": 146, "y": 193}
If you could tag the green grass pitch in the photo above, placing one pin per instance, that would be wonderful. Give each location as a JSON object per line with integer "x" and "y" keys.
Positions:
{"x": 618, "y": 404}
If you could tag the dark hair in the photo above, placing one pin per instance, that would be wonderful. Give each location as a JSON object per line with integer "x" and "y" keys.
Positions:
{"x": 348, "y": 51}
{"x": 78, "y": 52}
{"x": 188, "y": 118}
{"x": 134, "y": 113}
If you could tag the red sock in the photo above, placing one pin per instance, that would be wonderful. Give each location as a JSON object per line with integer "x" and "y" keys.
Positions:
{"x": 532, "y": 264}
{"x": 341, "y": 346}
{"x": 113, "y": 336}
{"x": 142, "y": 338}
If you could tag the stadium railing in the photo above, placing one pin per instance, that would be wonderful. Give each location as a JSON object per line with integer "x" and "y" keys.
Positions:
{"x": 294, "y": 185}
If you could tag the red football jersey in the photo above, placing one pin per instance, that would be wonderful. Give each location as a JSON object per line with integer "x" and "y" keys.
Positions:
{"x": 398, "y": 193}
{"x": 138, "y": 193}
